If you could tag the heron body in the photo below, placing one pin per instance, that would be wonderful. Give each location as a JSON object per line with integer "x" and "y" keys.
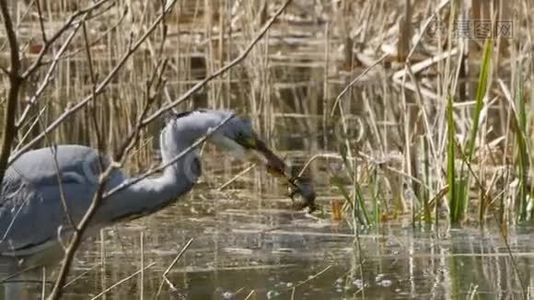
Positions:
{"x": 34, "y": 218}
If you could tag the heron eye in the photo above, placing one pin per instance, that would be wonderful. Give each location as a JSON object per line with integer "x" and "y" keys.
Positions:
{"x": 241, "y": 137}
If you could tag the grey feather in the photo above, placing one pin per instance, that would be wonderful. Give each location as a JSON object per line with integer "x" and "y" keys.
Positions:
{"x": 31, "y": 211}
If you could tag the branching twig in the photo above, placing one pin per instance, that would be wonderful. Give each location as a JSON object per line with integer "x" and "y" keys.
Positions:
{"x": 99, "y": 196}
{"x": 94, "y": 42}
{"x": 101, "y": 86}
{"x": 49, "y": 42}
{"x": 100, "y": 193}
{"x": 47, "y": 78}
{"x": 83, "y": 225}
{"x": 15, "y": 82}
{"x": 221, "y": 71}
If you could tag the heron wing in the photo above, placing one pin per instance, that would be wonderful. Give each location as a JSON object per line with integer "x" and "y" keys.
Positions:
{"x": 31, "y": 210}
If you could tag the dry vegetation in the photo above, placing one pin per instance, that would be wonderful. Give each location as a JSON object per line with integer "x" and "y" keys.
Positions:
{"x": 396, "y": 107}
{"x": 392, "y": 119}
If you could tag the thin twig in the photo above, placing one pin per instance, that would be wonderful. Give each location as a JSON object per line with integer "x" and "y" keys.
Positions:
{"x": 101, "y": 86}
{"x": 250, "y": 295}
{"x": 48, "y": 44}
{"x": 174, "y": 261}
{"x": 48, "y": 77}
{"x": 62, "y": 198}
{"x": 354, "y": 81}
{"x": 122, "y": 281}
{"x": 17, "y": 274}
{"x": 313, "y": 276}
{"x": 73, "y": 280}
{"x": 142, "y": 263}
{"x": 221, "y": 71}
{"x": 120, "y": 155}
{"x": 15, "y": 82}
{"x": 226, "y": 184}
{"x": 43, "y": 282}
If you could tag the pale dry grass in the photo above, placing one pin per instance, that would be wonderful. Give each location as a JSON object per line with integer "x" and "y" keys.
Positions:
{"x": 290, "y": 82}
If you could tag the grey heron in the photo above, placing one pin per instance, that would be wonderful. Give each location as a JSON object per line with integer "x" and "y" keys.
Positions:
{"x": 32, "y": 216}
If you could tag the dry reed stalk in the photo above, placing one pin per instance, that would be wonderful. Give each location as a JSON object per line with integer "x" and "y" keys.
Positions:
{"x": 405, "y": 32}
{"x": 103, "y": 268}
{"x": 142, "y": 263}
{"x": 103, "y": 293}
{"x": 165, "y": 279}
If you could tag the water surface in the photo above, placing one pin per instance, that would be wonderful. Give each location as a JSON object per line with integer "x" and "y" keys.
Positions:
{"x": 261, "y": 249}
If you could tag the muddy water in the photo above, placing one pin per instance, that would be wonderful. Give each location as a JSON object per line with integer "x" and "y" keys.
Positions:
{"x": 247, "y": 242}
{"x": 270, "y": 252}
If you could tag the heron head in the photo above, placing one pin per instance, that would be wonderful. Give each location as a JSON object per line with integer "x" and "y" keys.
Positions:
{"x": 238, "y": 137}
{"x": 234, "y": 134}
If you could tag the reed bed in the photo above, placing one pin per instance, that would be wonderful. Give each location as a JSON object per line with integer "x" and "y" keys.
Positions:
{"x": 408, "y": 103}
{"x": 405, "y": 109}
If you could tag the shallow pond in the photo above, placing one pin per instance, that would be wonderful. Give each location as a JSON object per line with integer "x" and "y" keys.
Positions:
{"x": 241, "y": 249}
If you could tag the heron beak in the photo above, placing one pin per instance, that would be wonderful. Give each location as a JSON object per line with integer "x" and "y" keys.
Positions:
{"x": 275, "y": 165}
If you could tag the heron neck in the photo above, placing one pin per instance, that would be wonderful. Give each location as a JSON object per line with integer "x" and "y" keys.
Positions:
{"x": 185, "y": 170}
{"x": 152, "y": 194}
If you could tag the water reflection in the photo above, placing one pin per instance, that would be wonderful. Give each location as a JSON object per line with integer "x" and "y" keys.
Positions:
{"x": 273, "y": 252}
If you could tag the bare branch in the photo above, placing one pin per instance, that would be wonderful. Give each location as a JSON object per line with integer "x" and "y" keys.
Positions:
{"x": 15, "y": 82}
{"x": 100, "y": 193}
{"x": 41, "y": 21}
{"x": 38, "y": 62}
{"x": 99, "y": 196}
{"x": 101, "y": 86}
{"x": 96, "y": 41}
{"x": 61, "y": 190}
{"x": 81, "y": 227}
{"x": 48, "y": 77}
{"x": 221, "y": 71}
